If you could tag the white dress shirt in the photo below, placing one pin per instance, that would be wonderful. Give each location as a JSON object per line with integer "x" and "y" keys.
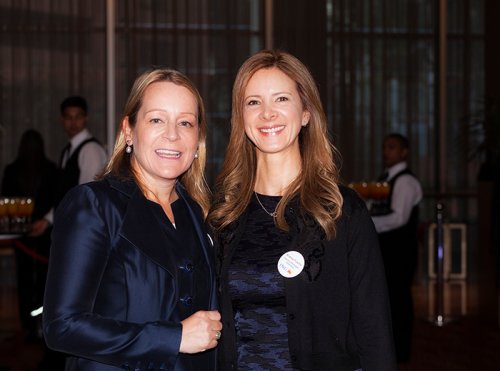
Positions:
{"x": 406, "y": 193}
{"x": 91, "y": 160}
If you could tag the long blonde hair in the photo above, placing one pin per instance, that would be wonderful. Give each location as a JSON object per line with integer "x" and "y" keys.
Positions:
{"x": 316, "y": 186}
{"x": 119, "y": 164}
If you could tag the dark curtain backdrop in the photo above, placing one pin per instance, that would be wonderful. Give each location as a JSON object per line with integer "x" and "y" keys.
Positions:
{"x": 375, "y": 64}
{"x": 374, "y": 61}
{"x": 49, "y": 49}
{"x": 54, "y": 48}
{"x": 382, "y": 73}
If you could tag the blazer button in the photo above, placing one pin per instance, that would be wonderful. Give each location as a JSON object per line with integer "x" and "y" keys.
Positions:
{"x": 291, "y": 316}
{"x": 187, "y": 300}
{"x": 188, "y": 267}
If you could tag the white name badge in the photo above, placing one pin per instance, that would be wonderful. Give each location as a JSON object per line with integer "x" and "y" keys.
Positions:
{"x": 291, "y": 264}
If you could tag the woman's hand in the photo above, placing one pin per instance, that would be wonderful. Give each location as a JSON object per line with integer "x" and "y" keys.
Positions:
{"x": 200, "y": 331}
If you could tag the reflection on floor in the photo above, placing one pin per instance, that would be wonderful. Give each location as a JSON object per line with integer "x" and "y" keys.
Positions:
{"x": 466, "y": 342}
{"x": 462, "y": 341}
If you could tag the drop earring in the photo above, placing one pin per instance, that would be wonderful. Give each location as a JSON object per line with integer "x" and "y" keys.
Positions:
{"x": 128, "y": 148}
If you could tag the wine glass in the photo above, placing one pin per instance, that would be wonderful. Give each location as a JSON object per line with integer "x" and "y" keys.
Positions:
{"x": 26, "y": 206}
{"x": 4, "y": 215}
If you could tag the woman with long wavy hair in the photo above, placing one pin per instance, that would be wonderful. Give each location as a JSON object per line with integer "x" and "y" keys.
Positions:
{"x": 301, "y": 279}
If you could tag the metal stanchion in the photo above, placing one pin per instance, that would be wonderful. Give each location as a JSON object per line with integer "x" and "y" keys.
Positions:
{"x": 439, "y": 318}
{"x": 439, "y": 314}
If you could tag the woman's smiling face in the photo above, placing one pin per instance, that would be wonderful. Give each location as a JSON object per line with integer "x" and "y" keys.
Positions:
{"x": 165, "y": 137}
{"x": 273, "y": 112}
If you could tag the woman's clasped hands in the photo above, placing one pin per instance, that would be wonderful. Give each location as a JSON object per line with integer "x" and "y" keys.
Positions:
{"x": 200, "y": 332}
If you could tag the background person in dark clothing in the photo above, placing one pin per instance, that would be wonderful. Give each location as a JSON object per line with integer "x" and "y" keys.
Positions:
{"x": 31, "y": 175}
{"x": 396, "y": 221}
{"x": 81, "y": 159}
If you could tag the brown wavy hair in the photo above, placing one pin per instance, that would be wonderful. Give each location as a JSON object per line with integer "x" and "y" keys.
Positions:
{"x": 316, "y": 187}
{"x": 119, "y": 164}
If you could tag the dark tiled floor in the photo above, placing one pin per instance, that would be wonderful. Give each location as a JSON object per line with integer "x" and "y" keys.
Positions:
{"x": 466, "y": 342}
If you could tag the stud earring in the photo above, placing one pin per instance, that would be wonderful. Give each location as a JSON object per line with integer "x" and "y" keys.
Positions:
{"x": 196, "y": 155}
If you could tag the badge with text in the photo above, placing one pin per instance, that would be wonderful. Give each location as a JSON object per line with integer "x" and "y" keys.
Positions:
{"x": 291, "y": 264}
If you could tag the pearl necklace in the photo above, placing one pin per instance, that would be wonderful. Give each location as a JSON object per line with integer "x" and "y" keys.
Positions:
{"x": 273, "y": 214}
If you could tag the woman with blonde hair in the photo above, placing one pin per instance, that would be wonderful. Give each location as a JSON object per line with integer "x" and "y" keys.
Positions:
{"x": 301, "y": 279}
{"x": 131, "y": 281}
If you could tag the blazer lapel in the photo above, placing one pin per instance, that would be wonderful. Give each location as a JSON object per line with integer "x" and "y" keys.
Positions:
{"x": 141, "y": 228}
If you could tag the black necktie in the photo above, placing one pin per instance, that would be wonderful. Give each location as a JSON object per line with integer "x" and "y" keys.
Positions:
{"x": 65, "y": 155}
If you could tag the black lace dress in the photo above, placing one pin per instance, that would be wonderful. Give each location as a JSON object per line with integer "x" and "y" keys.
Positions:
{"x": 258, "y": 293}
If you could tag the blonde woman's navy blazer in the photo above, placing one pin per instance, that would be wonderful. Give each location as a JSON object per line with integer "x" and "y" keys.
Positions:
{"x": 112, "y": 286}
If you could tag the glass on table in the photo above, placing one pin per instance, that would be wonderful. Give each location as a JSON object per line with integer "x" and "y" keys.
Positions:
{"x": 379, "y": 190}
{"x": 13, "y": 206}
{"x": 13, "y": 211}
{"x": 26, "y": 206}
{"x": 4, "y": 215}
{"x": 361, "y": 188}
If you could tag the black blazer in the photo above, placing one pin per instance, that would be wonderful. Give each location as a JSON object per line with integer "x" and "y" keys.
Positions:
{"x": 112, "y": 285}
{"x": 338, "y": 308}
